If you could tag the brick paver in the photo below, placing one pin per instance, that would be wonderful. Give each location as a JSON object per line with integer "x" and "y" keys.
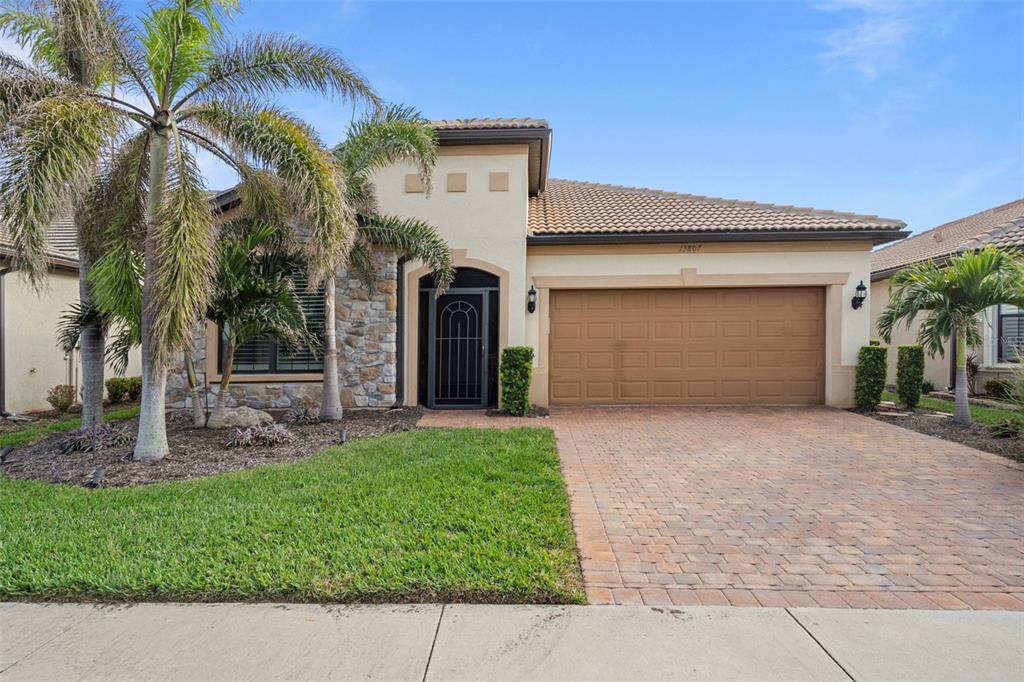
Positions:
{"x": 783, "y": 507}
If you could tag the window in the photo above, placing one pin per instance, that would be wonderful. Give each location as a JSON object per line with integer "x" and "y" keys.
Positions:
{"x": 1010, "y": 332}
{"x": 262, "y": 354}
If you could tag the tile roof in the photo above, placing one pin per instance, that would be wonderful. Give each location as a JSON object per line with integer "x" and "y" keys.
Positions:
{"x": 61, "y": 237}
{"x": 571, "y": 207}
{"x": 488, "y": 123}
{"x": 1006, "y": 236}
{"x": 946, "y": 239}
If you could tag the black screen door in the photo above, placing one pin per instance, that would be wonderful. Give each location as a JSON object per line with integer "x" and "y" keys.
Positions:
{"x": 457, "y": 370}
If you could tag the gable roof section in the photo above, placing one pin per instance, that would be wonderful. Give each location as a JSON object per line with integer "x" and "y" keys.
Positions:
{"x": 588, "y": 212}
{"x": 61, "y": 238}
{"x": 949, "y": 238}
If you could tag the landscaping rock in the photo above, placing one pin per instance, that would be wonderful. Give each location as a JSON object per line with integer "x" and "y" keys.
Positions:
{"x": 241, "y": 417}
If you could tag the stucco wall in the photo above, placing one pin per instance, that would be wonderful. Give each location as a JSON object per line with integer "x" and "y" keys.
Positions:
{"x": 750, "y": 264}
{"x": 32, "y": 362}
{"x": 482, "y": 225}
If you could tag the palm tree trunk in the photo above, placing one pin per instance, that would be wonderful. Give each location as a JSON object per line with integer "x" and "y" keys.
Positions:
{"x": 217, "y": 418}
{"x": 330, "y": 399}
{"x": 151, "y": 443}
{"x": 198, "y": 413}
{"x": 961, "y": 409}
{"x": 91, "y": 343}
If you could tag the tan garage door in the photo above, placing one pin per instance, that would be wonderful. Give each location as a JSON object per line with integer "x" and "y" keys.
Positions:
{"x": 688, "y": 346}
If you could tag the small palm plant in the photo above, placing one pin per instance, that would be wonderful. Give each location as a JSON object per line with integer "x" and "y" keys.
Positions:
{"x": 952, "y": 298}
{"x": 391, "y": 135}
{"x": 182, "y": 87}
{"x": 254, "y": 297}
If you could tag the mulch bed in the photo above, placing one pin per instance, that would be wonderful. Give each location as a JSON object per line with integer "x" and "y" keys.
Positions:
{"x": 942, "y": 426}
{"x": 195, "y": 452}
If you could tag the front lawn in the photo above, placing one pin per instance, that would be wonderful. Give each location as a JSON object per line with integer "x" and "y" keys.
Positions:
{"x": 979, "y": 413}
{"x": 426, "y": 515}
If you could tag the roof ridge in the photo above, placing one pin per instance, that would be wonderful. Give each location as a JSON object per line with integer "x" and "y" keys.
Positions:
{"x": 948, "y": 223}
{"x": 699, "y": 198}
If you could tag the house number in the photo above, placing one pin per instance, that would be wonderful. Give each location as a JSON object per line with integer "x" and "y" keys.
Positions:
{"x": 690, "y": 248}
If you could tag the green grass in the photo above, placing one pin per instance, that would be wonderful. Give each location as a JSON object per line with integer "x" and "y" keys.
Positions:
{"x": 31, "y": 433}
{"x": 979, "y": 413}
{"x": 460, "y": 514}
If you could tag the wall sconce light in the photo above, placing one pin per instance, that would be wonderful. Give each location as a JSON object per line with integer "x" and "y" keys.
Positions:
{"x": 859, "y": 295}
{"x": 531, "y": 299}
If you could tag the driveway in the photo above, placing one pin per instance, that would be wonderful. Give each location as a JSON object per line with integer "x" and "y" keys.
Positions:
{"x": 796, "y": 507}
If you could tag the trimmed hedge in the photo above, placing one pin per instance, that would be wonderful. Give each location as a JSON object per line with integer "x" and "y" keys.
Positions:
{"x": 910, "y": 374}
{"x": 871, "y": 368}
{"x": 121, "y": 388}
{"x": 516, "y": 373}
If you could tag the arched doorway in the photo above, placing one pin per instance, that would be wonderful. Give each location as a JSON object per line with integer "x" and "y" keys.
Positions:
{"x": 458, "y": 341}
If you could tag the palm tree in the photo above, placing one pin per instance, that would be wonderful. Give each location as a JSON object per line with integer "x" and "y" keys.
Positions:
{"x": 952, "y": 298}
{"x": 254, "y": 297}
{"x": 391, "y": 135}
{"x": 64, "y": 38}
{"x": 198, "y": 91}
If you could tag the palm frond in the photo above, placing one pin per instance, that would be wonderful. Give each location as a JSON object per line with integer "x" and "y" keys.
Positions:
{"x": 33, "y": 28}
{"x": 20, "y": 90}
{"x": 362, "y": 263}
{"x": 56, "y": 153}
{"x": 307, "y": 172}
{"x": 265, "y": 64}
{"x": 412, "y": 238}
{"x": 119, "y": 346}
{"x": 72, "y": 321}
{"x": 182, "y": 238}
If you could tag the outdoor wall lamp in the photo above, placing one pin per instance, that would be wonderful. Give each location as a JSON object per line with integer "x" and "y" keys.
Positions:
{"x": 859, "y": 295}
{"x": 531, "y": 299}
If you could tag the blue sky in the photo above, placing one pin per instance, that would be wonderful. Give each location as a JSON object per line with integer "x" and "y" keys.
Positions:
{"x": 910, "y": 110}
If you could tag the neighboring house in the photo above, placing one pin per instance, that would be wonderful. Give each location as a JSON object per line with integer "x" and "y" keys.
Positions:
{"x": 30, "y": 361}
{"x": 1003, "y": 328}
{"x": 628, "y": 295}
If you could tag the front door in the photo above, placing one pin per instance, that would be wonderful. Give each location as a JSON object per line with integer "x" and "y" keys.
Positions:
{"x": 458, "y": 369}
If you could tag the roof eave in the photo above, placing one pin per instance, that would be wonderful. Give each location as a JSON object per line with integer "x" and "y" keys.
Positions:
{"x": 53, "y": 262}
{"x": 876, "y": 236}
{"x": 538, "y": 140}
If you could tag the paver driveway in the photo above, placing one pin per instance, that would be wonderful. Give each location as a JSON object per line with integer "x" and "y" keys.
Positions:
{"x": 784, "y": 507}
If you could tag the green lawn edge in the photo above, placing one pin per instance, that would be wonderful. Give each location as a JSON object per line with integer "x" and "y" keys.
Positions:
{"x": 431, "y": 515}
{"x": 30, "y": 434}
{"x": 979, "y": 413}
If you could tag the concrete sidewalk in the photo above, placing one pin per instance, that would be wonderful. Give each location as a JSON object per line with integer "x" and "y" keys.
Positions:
{"x": 466, "y": 642}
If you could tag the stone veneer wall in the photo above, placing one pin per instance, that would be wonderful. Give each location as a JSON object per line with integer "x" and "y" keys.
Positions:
{"x": 367, "y": 326}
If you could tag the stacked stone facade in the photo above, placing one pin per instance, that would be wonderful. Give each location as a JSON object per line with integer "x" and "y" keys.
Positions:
{"x": 366, "y": 329}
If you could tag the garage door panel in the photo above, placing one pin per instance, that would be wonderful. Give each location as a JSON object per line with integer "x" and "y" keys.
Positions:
{"x": 684, "y": 346}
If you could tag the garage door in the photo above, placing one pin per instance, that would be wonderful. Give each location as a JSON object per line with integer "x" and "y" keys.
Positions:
{"x": 688, "y": 346}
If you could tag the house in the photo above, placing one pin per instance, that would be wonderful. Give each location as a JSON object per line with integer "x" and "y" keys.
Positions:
{"x": 627, "y": 295}
{"x": 30, "y": 361}
{"x": 1003, "y": 328}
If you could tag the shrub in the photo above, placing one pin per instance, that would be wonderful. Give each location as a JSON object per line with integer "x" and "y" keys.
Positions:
{"x": 870, "y": 377}
{"x": 927, "y": 387}
{"x": 89, "y": 438}
{"x": 1000, "y": 389}
{"x": 909, "y": 374}
{"x": 301, "y": 415}
{"x": 134, "y": 388}
{"x": 516, "y": 373}
{"x": 261, "y": 434}
{"x": 61, "y": 397}
{"x": 972, "y": 367}
{"x": 117, "y": 389}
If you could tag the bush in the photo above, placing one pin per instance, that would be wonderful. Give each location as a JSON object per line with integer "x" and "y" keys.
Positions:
{"x": 261, "y": 434}
{"x": 909, "y": 374}
{"x": 61, "y": 397}
{"x": 871, "y": 368}
{"x": 89, "y": 438}
{"x": 1000, "y": 389}
{"x": 972, "y": 367}
{"x": 516, "y": 373}
{"x": 134, "y": 388}
{"x": 302, "y": 415}
{"x": 927, "y": 387}
{"x": 117, "y": 389}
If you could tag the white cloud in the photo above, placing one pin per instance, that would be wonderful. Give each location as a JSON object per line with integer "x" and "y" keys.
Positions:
{"x": 876, "y": 33}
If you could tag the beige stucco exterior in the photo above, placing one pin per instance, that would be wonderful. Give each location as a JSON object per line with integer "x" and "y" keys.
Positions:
{"x": 486, "y": 228}
{"x": 936, "y": 369}
{"x": 32, "y": 362}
